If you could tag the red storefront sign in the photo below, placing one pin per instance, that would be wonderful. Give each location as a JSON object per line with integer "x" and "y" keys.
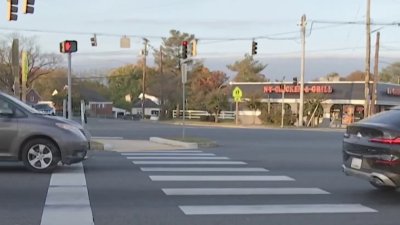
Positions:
{"x": 321, "y": 89}
{"x": 393, "y": 91}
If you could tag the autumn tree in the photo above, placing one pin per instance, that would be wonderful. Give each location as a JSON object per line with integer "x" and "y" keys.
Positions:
{"x": 313, "y": 106}
{"x": 167, "y": 84}
{"x": 248, "y": 70}
{"x": 39, "y": 63}
{"x": 356, "y": 76}
{"x": 125, "y": 81}
{"x": 46, "y": 85}
{"x": 333, "y": 77}
{"x": 216, "y": 101}
{"x": 254, "y": 104}
{"x": 391, "y": 74}
{"x": 208, "y": 91}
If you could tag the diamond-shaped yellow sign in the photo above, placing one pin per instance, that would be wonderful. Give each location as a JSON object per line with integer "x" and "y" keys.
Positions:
{"x": 237, "y": 93}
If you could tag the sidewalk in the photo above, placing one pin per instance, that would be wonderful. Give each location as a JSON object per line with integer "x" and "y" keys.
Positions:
{"x": 250, "y": 126}
{"x": 153, "y": 144}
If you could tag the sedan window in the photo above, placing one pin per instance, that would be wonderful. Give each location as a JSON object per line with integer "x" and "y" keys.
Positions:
{"x": 387, "y": 117}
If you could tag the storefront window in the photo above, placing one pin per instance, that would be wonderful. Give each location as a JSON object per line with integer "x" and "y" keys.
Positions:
{"x": 348, "y": 114}
{"x": 358, "y": 113}
{"x": 336, "y": 115}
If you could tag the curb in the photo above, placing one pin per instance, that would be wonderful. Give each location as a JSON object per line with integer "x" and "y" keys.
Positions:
{"x": 173, "y": 142}
{"x": 325, "y": 129}
{"x": 108, "y": 147}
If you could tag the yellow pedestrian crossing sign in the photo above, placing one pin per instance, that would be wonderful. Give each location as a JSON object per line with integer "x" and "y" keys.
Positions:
{"x": 237, "y": 94}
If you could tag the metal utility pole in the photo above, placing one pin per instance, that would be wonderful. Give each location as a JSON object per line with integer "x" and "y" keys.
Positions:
{"x": 303, "y": 58}
{"x": 367, "y": 60}
{"x": 184, "y": 80}
{"x": 15, "y": 67}
{"x": 283, "y": 102}
{"x": 376, "y": 75}
{"x": 144, "y": 77}
{"x": 69, "y": 110}
{"x": 161, "y": 84}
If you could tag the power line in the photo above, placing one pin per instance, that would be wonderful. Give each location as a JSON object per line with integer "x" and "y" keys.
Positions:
{"x": 272, "y": 36}
{"x": 356, "y": 23}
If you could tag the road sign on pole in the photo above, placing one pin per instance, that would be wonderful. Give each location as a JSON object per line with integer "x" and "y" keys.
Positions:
{"x": 237, "y": 93}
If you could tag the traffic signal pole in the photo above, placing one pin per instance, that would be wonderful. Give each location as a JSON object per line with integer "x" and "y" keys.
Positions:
{"x": 69, "y": 110}
{"x": 184, "y": 80}
{"x": 144, "y": 78}
{"x": 303, "y": 56}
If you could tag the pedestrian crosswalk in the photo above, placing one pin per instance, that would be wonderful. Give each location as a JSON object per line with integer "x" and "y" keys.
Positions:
{"x": 194, "y": 173}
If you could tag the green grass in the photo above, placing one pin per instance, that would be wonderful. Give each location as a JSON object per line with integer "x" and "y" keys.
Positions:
{"x": 94, "y": 145}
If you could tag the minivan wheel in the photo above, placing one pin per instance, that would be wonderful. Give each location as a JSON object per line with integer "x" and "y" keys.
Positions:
{"x": 40, "y": 155}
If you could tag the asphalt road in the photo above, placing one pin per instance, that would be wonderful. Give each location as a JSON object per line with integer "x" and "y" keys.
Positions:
{"x": 292, "y": 171}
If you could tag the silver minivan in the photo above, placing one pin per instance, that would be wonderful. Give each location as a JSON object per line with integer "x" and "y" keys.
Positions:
{"x": 38, "y": 140}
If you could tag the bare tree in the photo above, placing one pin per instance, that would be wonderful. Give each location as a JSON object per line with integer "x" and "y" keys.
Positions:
{"x": 39, "y": 63}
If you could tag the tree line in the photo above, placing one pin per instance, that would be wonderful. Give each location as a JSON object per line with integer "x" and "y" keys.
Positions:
{"x": 207, "y": 89}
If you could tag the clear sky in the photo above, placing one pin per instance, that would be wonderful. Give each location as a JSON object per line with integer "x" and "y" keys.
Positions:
{"x": 273, "y": 23}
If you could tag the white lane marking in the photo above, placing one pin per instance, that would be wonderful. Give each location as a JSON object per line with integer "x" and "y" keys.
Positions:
{"x": 201, "y": 169}
{"x": 189, "y": 163}
{"x": 275, "y": 209}
{"x": 220, "y": 178}
{"x": 243, "y": 191}
{"x": 164, "y": 151}
{"x": 168, "y": 154}
{"x": 67, "y": 200}
{"x": 180, "y": 157}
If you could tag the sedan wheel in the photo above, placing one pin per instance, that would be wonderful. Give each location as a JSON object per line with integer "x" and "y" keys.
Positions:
{"x": 40, "y": 155}
{"x": 383, "y": 187}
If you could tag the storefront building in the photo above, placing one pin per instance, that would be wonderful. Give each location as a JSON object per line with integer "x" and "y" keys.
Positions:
{"x": 341, "y": 101}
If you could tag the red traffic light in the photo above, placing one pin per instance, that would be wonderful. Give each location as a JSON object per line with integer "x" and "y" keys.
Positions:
{"x": 68, "y": 46}
{"x": 184, "y": 43}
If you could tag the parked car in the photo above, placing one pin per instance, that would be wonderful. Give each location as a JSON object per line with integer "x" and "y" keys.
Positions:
{"x": 45, "y": 109}
{"x": 371, "y": 149}
{"x": 38, "y": 140}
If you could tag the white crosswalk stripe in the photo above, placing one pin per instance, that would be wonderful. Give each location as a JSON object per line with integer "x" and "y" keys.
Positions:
{"x": 220, "y": 178}
{"x": 189, "y": 162}
{"x": 168, "y": 154}
{"x": 275, "y": 209}
{"x": 202, "y": 169}
{"x": 163, "y": 151}
{"x": 67, "y": 200}
{"x": 180, "y": 157}
{"x": 243, "y": 191}
{"x": 214, "y": 172}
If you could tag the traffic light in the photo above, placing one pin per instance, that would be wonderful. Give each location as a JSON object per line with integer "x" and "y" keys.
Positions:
{"x": 68, "y": 46}
{"x": 93, "y": 40}
{"x": 27, "y": 6}
{"x": 193, "y": 47}
{"x": 294, "y": 80}
{"x": 12, "y": 9}
{"x": 253, "y": 48}
{"x": 184, "y": 49}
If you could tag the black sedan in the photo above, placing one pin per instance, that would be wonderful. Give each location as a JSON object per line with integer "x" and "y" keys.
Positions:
{"x": 371, "y": 150}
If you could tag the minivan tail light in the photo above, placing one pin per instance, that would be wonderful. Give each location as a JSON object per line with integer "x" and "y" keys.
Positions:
{"x": 390, "y": 141}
